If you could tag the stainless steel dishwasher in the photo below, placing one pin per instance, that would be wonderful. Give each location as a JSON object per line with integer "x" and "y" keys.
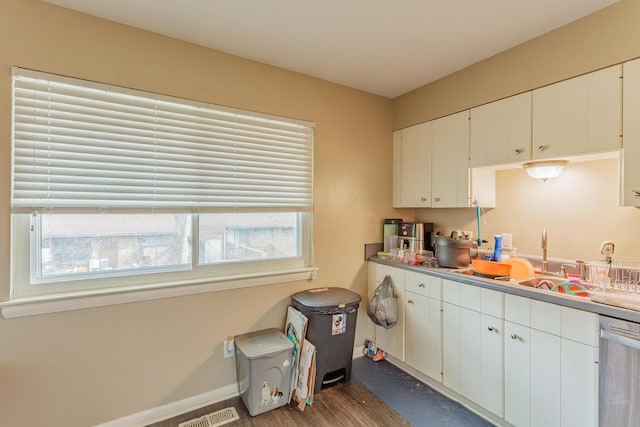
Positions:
{"x": 619, "y": 401}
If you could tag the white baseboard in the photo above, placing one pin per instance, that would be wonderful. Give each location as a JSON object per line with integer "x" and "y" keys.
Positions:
{"x": 173, "y": 409}
{"x": 169, "y": 410}
{"x": 358, "y": 351}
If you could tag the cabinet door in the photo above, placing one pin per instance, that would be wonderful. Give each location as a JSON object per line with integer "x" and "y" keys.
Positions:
{"x": 545, "y": 379}
{"x": 392, "y": 340}
{"x": 483, "y": 187}
{"x": 630, "y": 173}
{"x": 578, "y": 116}
{"x": 450, "y": 161}
{"x": 491, "y": 364}
{"x": 412, "y": 166}
{"x": 423, "y": 349}
{"x": 470, "y": 354}
{"x": 604, "y": 110}
{"x": 517, "y": 309}
{"x": 415, "y": 319}
{"x": 433, "y": 362}
{"x": 473, "y": 349}
{"x": 581, "y": 326}
{"x": 579, "y": 371}
{"x": 451, "y": 375}
{"x": 516, "y": 368}
{"x": 501, "y": 131}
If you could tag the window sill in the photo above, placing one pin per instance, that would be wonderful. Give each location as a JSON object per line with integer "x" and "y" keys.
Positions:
{"x": 33, "y": 306}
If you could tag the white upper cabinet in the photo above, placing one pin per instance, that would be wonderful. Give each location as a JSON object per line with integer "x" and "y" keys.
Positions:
{"x": 578, "y": 116}
{"x": 412, "y": 166}
{"x": 450, "y": 161}
{"x": 501, "y": 132}
{"x": 630, "y": 173}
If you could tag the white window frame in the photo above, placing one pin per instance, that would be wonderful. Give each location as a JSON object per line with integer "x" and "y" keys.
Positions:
{"x": 65, "y": 295}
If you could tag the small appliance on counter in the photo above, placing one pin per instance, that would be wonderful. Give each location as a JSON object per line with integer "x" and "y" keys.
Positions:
{"x": 455, "y": 251}
{"x": 415, "y": 236}
{"x": 389, "y": 228}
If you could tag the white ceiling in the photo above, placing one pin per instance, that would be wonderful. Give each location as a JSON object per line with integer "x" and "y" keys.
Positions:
{"x": 386, "y": 47}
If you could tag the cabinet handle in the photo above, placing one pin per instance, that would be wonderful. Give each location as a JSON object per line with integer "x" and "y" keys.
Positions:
{"x": 636, "y": 193}
{"x": 423, "y": 199}
{"x": 519, "y": 150}
{"x": 436, "y": 199}
{"x": 492, "y": 329}
{"x": 542, "y": 147}
{"x": 421, "y": 285}
{"x": 514, "y": 337}
{"x": 410, "y": 301}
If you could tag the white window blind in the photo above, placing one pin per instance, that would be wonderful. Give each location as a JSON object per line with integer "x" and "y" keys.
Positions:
{"x": 79, "y": 144}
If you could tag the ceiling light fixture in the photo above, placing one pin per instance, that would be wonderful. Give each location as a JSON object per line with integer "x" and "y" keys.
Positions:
{"x": 545, "y": 169}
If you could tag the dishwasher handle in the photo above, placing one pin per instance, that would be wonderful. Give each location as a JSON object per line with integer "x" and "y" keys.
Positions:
{"x": 620, "y": 339}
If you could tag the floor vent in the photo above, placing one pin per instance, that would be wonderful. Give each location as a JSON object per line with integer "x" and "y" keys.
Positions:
{"x": 218, "y": 418}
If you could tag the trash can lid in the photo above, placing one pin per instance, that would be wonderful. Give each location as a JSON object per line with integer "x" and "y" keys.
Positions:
{"x": 327, "y": 297}
{"x": 267, "y": 342}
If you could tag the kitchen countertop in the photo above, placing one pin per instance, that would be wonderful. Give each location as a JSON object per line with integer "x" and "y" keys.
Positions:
{"x": 581, "y": 303}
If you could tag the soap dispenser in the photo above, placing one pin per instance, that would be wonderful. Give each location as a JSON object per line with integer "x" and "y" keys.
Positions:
{"x": 497, "y": 248}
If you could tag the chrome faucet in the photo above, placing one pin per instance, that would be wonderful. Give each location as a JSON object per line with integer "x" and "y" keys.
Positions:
{"x": 545, "y": 264}
{"x": 580, "y": 265}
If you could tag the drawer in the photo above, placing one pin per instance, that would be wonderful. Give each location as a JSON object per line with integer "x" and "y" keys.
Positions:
{"x": 451, "y": 291}
{"x": 546, "y": 317}
{"x": 424, "y": 284}
{"x": 492, "y": 303}
{"x": 581, "y": 326}
{"x": 517, "y": 309}
{"x": 470, "y": 297}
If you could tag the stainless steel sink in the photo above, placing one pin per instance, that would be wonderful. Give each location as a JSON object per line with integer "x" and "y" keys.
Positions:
{"x": 543, "y": 281}
{"x": 548, "y": 281}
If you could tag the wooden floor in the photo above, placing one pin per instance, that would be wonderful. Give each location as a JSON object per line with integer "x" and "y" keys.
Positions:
{"x": 345, "y": 404}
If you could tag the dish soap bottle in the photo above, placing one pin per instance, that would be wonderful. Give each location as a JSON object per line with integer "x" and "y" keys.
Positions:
{"x": 497, "y": 248}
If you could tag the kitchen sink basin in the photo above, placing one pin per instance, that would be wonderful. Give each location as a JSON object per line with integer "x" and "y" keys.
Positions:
{"x": 558, "y": 284}
{"x": 542, "y": 281}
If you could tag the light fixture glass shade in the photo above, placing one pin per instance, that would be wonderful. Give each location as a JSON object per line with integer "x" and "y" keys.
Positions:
{"x": 545, "y": 169}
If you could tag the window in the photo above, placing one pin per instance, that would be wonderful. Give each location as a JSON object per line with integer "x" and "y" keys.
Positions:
{"x": 114, "y": 187}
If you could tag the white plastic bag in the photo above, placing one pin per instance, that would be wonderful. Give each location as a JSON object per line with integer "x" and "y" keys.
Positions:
{"x": 382, "y": 306}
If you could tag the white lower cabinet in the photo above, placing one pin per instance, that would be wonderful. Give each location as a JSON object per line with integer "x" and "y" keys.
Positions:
{"x": 390, "y": 340}
{"x": 472, "y": 344}
{"x": 517, "y": 365}
{"x": 545, "y": 378}
{"x": 551, "y": 378}
{"x": 423, "y": 324}
{"x": 491, "y": 364}
{"x": 579, "y": 379}
{"x": 530, "y": 362}
{"x": 451, "y": 332}
{"x": 579, "y": 367}
{"x": 532, "y": 377}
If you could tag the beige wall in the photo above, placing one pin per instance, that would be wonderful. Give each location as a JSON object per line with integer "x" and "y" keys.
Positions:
{"x": 88, "y": 366}
{"x": 579, "y": 209}
{"x": 579, "y": 213}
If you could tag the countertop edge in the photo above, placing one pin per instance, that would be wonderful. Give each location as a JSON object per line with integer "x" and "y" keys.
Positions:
{"x": 580, "y": 303}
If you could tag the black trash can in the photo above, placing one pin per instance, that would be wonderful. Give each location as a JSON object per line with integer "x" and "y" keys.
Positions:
{"x": 332, "y": 314}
